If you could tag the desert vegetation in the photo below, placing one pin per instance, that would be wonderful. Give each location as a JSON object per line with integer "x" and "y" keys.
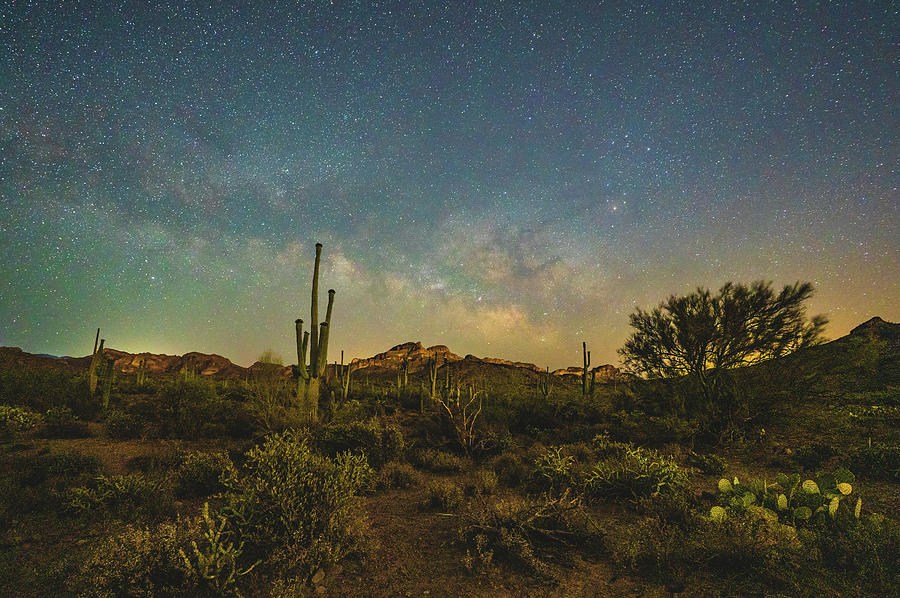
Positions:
{"x": 748, "y": 458}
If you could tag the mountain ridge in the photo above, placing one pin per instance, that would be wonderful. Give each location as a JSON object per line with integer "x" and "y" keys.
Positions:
{"x": 412, "y": 353}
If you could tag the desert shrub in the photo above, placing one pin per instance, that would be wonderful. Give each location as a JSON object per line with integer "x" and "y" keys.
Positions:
{"x": 187, "y": 403}
{"x": 523, "y": 533}
{"x": 553, "y": 470}
{"x": 811, "y": 457}
{"x": 60, "y": 422}
{"x": 17, "y": 420}
{"x": 203, "y": 474}
{"x": 192, "y": 407}
{"x": 749, "y": 551}
{"x": 379, "y": 443}
{"x": 398, "y": 475}
{"x": 437, "y": 461}
{"x": 141, "y": 562}
{"x": 671, "y": 428}
{"x": 71, "y": 463}
{"x": 486, "y": 481}
{"x": 708, "y": 463}
{"x": 604, "y": 446}
{"x": 126, "y": 496}
{"x": 120, "y": 425}
{"x": 43, "y": 388}
{"x": 347, "y": 411}
{"x": 297, "y": 509}
{"x": 865, "y": 551}
{"x": 443, "y": 495}
{"x": 511, "y": 469}
{"x": 878, "y": 461}
{"x": 633, "y": 472}
{"x": 38, "y": 468}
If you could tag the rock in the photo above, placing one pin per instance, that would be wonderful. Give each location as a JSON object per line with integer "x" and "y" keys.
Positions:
{"x": 413, "y": 353}
{"x": 320, "y": 590}
{"x": 318, "y": 577}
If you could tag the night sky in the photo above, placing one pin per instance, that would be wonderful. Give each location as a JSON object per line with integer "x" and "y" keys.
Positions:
{"x": 506, "y": 178}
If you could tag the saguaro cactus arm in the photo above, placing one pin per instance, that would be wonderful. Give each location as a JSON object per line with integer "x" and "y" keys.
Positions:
{"x": 314, "y": 316}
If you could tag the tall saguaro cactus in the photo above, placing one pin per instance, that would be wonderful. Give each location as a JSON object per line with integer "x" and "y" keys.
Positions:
{"x": 316, "y": 341}
{"x": 587, "y": 384}
{"x": 344, "y": 377}
{"x": 544, "y": 384}
{"x": 96, "y": 358}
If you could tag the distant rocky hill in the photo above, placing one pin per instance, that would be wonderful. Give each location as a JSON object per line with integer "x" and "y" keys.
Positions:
{"x": 207, "y": 365}
{"x": 414, "y": 354}
{"x": 878, "y": 329}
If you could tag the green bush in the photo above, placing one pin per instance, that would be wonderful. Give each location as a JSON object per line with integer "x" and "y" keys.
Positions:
{"x": 296, "y": 509}
{"x": 60, "y": 422}
{"x": 553, "y": 470}
{"x": 443, "y": 495}
{"x": 437, "y": 461}
{"x": 878, "y": 461}
{"x": 379, "y": 443}
{"x": 43, "y": 388}
{"x": 398, "y": 475}
{"x": 140, "y": 561}
{"x": 126, "y": 496}
{"x": 120, "y": 425}
{"x": 35, "y": 470}
{"x": 748, "y": 551}
{"x": 511, "y": 469}
{"x": 187, "y": 404}
{"x": 812, "y": 456}
{"x": 633, "y": 472}
{"x": 17, "y": 420}
{"x": 865, "y": 551}
{"x": 486, "y": 481}
{"x": 708, "y": 463}
{"x": 203, "y": 474}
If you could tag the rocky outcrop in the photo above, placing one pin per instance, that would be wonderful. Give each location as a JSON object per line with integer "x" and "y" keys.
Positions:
{"x": 415, "y": 354}
{"x": 214, "y": 366}
{"x": 15, "y": 358}
{"x": 516, "y": 364}
{"x": 604, "y": 373}
{"x": 201, "y": 363}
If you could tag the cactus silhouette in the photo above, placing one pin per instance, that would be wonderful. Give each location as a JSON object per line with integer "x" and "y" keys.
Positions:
{"x": 316, "y": 341}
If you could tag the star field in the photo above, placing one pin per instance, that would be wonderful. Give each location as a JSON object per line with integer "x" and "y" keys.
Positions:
{"x": 506, "y": 178}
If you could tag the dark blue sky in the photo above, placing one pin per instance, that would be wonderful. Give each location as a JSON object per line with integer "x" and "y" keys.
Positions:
{"x": 506, "y": 178}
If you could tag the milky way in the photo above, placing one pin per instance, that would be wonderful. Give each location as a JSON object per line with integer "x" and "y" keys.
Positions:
{"x": 509, "y": 179}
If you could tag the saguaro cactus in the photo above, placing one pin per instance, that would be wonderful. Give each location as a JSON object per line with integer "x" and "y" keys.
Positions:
{"x": 587, "y": 384}
{"x": 109, "y": 377}
{"x": 344, "y": 378}
{"x": 432, "y": 377}
{"x": 95, "y": 363}
{"x": 316, "y": 340}
{"x": 544, "y": 384}
{"x": 142, "y": 371}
